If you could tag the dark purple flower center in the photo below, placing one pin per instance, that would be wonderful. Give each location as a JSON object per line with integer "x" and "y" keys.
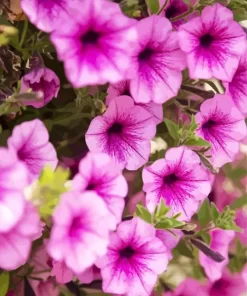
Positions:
{"x": 21, "y": 154}
{"x": 91, "y": 37}
{"x": 221, "y": 285}
{"x": 170, "y": 179}
{"x": 145, "y": 55}
{"x": 171, "y": 12}
{"x": 91, "y": 186}
{"x": 127, "y": 252}
{"x": 126, "y": 93}
{"x": 116, "y": 128}
{"x": 209, "y": 124}
{"x": 206, "y": 40}
{"x": 75, "y": 227}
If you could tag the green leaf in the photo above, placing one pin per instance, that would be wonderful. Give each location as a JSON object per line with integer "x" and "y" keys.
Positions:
{"x": 153, "y": 5}
{"x": 239, "y": 203}
{"x": 203, "y": 214}
{"x": 172, "y": 129}
{"x": 161, "y": 210}
{"x": 214, "y": 212}
{"x": 183, "y": 249}
{"x": 205, "y": 236}
{"x": 165, "y": 224}
{"x": 143, "y": 213}
{"x": 4, "y": 283}
{"x": 197, "y": 141}
{"x": 193, "y": 125}
{"x": 226, "y": 220}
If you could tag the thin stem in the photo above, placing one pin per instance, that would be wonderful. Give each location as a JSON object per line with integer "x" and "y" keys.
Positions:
{"x": 197, "y": 91}
{"x": 162, "y": 7}
{"x": 176, "y": 18}
{"x": 24, "y": 32}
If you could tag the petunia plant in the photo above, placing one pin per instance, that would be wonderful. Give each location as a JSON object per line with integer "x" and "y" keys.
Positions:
{"x": 123, "y": 147}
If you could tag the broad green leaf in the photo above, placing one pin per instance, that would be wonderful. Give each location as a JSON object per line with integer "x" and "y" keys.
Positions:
{"x": 153, "y": 5}
{"x": 183, "y": 249}
{"x": 239, "y": 203}
{"x": 203, "y": 214}
{"x": 143, "y": 213}
{"x": 165, "y": 224}
{"x": 197, "y": 141}
{"x": 4, "y": 283}
{"x": 214, "y": 212}
{"x": 172, "y": 129}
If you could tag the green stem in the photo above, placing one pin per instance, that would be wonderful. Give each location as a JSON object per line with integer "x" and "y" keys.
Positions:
{"x": 174, "y": 19}
{"x": 162, "y": 7}
{"x": 197, "y": 91}
{"x": 24, "y": 32}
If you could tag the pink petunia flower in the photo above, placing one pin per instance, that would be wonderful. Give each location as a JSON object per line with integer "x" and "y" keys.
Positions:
{"x": 30, "y": 141}
{"x": 134, "y": 259}
{"x": 189, "y": 287}
{"x": 124, "y": 132}
{"x": 221, "y": 124}
{"x": 157, "y": 62}
{"x": 44, "y": 288}
{"x": 96, "y": 43}
{"x": 179, "y": 179}
{"x": 241, "y": 218}
{"x": 43, "y": 80}
{"x": 15, "y": 245}
{"x": 39, "y": 263}
{"x": 62, "y": 273}
{"x": 13, "y": 180}
{"x": 98, "y": 172}
{"x": 220, "y": 241}
{"x": 123, "y": 89}
{"x": 46, "y": 14}
{"x": 237, "y": 88}
{"x": 78, "y": 235}
{"x": 213, "y": 43}
{"x": 90, "y": 275}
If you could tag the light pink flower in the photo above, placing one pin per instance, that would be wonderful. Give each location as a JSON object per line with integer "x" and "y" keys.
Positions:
{"x": 157, "y": 62}
{"x": 96, "y": 43}
{"x": 13, "y": 180}
{"x": 213, "y": 43}
{"x": 43, "y": 80}
{"x": 46, "y": 14}
{"x": 123, "y": 89}
{"x": 134, "y": 259}
{"x": 179, "y": 179}
{"x": 78, "y": 235}
{"x": 220, "y": 241}
{"x": 98, "y": 172}
{"x": 30, "y": 141}
{"x": 124, "y": 132}
{"x": 189, "y": 287}
{"x": 237, "y": 88}
{"x": 90, "y": 275}
{"x": 15, "y": 245}
{"x": 221, "y": 124}
{"x": 62, "y": 273}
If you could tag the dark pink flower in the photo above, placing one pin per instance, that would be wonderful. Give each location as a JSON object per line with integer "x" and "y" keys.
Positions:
{"x": 237, "y": 88}
{"x": 189, "y": 287}
{"x": 96, "y": 43}
{"x": 78, "y": 236}
{"x": 134, "y": 259}
{"x": 123, "y": 89}
{"x": 213, "y": 43}
{"x": 124, "y": 132}
{"x": 41, "y": 80}
{"x": 98, "y": 172}
{"x": 157, "y": 62}
{"x": 221, "y": 124}
{"x": 15, "y": 245}
{"x": 220, "y": 241}
{"x": 30, "y": 141}
{"x": 179, "y": 179}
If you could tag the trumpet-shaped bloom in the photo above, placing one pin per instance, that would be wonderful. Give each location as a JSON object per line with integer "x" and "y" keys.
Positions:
{"x": 96, "y": 43}
{"x": 98, "y": 172}
{"x": 237, "y": 88}
{"x": 179, "y": 179}
{"x": 123, "y": 89}
{"x": 43, "y": 80}
{"x": 157, "y": 62}
{"x": 30, "y": 141}
{"x": 78, "y": 235}
{"x": 15, "y": 245}
{"x": 13, "y": 180}
{"x": 221, "y": 124}
{"x": 189, "y": 287}
{"x": 213, "y": 43}
{"x": 124, "y": 132}
{"x": 220, "y": 240}
{"x": 134, "y": 259}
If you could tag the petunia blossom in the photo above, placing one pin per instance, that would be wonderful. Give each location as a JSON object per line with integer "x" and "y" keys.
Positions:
{"x": 124, "y": 132}
{"x": 44, "y": 288}
{"x": 237, "y": 88}
{"x": 96, "y": 43}
{"x": 123, "y": 89}
{"x": 213, "y": 43}
{"x": 189, "y": 287}
{"x": 98, "y": 172}
{"x": 30, "y": 141}
{"x": 13, "y": 180}
{"x": 15, "y": 245}
{"x": 45, "y": 15}
{"x": 43, "y": 80}
{"x": 61, "y": 272}
{"x": 221, "y": 124}
{"x": 89, "y": 275}
{"x": 134, "y": 259}
{"x": 220, "y": 241}
{"x": 78, "y": 236}
{"x": 179, "y": 179}
{"x": 157, "y": 62}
